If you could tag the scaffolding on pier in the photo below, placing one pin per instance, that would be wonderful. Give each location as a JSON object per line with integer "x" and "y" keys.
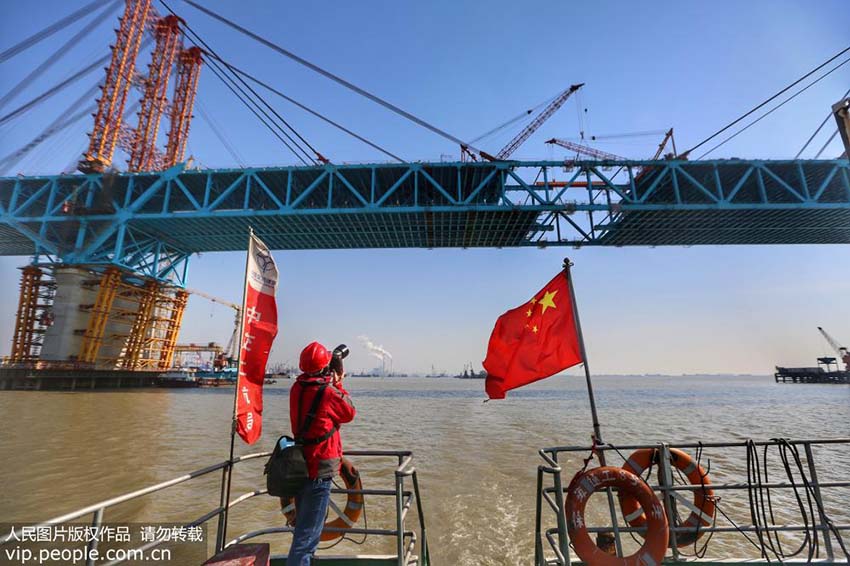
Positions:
{"x": 140, "y": 328}
{"x": 99, "y": 314}
{"x": 34, "y": 314}
{"x": 171, "y": 308}
{"x": 122, "y": 322}
{"x": 138, "y": 341}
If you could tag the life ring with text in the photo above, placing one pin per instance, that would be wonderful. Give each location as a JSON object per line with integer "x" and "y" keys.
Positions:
{"x": 346, "y": 518}
{"x": 584, "y": 485}
{"x": 702, "y": 506}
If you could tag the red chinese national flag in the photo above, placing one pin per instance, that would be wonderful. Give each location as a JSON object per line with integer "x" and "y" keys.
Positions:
{"x": 533, "y": 341}
{"x": 259, "y": 328}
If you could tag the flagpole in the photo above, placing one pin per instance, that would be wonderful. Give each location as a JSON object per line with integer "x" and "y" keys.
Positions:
{"x": 597, "y": 432}
{"x": 225, "y": 495}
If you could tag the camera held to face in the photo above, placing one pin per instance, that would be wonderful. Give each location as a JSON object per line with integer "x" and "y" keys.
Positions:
{"x": 335, "y": 366}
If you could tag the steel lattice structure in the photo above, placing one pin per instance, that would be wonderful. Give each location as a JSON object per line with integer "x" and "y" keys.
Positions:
{"x": 110, "y": 106}
{"x": 143, "y": 152}
{"x": 188, "y": 71}
{"x": 150, "y": 223}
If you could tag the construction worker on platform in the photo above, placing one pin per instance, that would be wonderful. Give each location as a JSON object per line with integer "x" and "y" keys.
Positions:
{"x": 318, "y": 405}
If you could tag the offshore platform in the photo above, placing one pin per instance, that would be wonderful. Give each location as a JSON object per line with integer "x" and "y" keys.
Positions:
{"x": 103, "y": 298}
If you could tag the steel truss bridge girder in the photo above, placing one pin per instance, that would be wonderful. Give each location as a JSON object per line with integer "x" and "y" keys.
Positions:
{"x": 152, "y": 222}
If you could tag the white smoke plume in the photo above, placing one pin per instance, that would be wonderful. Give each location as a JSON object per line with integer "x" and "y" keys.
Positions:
{"x": 378, "y": 351}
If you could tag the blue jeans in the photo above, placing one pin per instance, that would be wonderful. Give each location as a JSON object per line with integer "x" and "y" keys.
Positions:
{"x": 311, "y": 507}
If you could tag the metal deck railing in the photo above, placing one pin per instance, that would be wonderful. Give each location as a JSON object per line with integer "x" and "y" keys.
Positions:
{"x": 405, "y": 492}
{"x": 824, "y": 540}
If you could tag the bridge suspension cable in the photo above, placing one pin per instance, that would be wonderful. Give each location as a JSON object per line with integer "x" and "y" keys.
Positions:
{"x": 25, "y": 44}
{"x": 197, "y": 40}
{"x": 301, "y": 154}
{"x": 761, "y": 105}
{"x": 64, "y": 120}
{"x": 245, "y": 101}
{"x": 309, "y": 110}
{"x": 515, "y": 119}
{"x": 826, "y": 144}
{"x": 327, "y": 74}
{"x": 54, "y": 57}
{"x": 223, "y": 139}
{"x": 777, "y": 107}
{"x": 55, "y": 89}
{"x": 818, "y": 129}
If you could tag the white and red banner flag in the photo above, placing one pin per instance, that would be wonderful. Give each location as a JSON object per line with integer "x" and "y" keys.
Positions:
{"x": 259, "y": 328}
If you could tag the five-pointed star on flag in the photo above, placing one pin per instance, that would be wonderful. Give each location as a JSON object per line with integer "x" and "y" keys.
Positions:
{"x": 546, "y": 302}
{"x": 530, "y": 343}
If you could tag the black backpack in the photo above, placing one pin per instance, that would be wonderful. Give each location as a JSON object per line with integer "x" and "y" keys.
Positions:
{"x": 286, "y": 470}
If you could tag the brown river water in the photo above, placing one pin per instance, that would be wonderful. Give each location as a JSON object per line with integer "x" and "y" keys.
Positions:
{"x": 477, "y": 461}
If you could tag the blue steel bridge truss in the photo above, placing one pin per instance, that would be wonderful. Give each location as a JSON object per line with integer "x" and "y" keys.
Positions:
{"x": 151, "y": 223}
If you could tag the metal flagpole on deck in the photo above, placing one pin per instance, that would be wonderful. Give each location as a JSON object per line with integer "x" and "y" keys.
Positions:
{"x": 224, "y": 503}
{"x": 597, "y": 431}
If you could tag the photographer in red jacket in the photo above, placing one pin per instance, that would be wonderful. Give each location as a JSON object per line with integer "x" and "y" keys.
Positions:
{"x": 321, "y": 378}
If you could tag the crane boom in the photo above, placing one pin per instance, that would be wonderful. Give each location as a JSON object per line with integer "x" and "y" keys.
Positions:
{"x": 840, "y": 350}
{"x": 213, "y": 299}
{"x": 668, "y": 136}
{"x": 585, "y": 150}
{"x": 544, "y": 115}
{"x": 233, "y": 341}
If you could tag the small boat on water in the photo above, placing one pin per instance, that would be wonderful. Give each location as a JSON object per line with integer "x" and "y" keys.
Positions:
{"x": 470, "y": 373}
{"x": 178, "y": 378}
{"x": 218, "y": 377}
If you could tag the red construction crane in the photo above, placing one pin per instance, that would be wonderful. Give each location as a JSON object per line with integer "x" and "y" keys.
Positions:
{"x": 599, "y": 154}
{"x": 544, "y": 115}
{"x": 668, "y": 136}
{"x": 842, "y": 351}
{"x": 605, "y": 156}
{"x": 188, "y": 71}
{"x": 585, "y": 150}
{"x": 110, "y": 106}
{"x": 155, "y": 99}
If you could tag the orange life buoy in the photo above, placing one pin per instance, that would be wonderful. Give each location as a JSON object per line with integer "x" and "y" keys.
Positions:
{"x": 353, "y": 506}
{"x": 702, "y": 507}
{"x": 596, "y": 479}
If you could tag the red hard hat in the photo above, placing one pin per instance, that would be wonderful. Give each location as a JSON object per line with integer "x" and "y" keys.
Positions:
{"x": 314, "y": 358}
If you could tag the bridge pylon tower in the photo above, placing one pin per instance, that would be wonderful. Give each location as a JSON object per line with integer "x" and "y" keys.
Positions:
{"x": 119, "y": 74}
{"x": 143, "y": 154}
{"x": 188, "y": 71}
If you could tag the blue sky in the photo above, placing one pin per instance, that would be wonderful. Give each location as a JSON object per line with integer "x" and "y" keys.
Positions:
{"x": 466, "y": 67}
